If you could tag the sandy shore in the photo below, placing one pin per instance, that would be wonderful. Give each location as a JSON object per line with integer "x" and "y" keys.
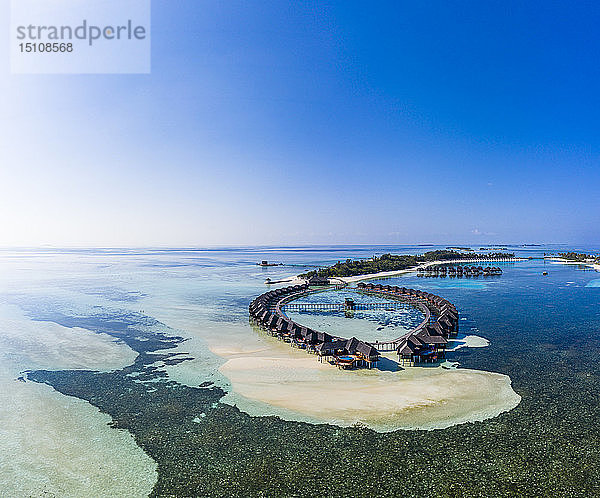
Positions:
{"x": 467, "y": 341}
{"x": 595, "y": 266}
{"x": 268, "y": 377}
{"x": 296, "y": 386}
{"x": 383, "y": 274}
{"x": 295, "y": 280}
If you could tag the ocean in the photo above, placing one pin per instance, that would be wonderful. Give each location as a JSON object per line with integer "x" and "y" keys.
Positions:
{"x": 126, "y": 372}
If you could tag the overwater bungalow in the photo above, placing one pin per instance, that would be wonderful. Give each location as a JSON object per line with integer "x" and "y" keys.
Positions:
{"x": 283, "y": 325}
{"x": 356, "y": 354}
{"x": 439, "y": 330}
{"x": 429, "y": 336}
{"x": 446, "y": 323}
{"x": 422, "y": 344}
{"x": 317, "y": 280}
{"x": 368, "y": 354}
{"x": 453, "y": 317}
{"x": 421, "y": 347}
{"x": 311, "y": 341}
{"x": 409, "y": 349}
{"x": 324, "y": 337}
{"x": 310, "y": 336}
{"x": 331, "y": 348}
{"x": 297, "y": 340}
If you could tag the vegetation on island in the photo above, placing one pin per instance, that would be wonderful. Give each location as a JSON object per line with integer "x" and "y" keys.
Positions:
{"x": 577, "y": 256}
{"x": 394, "y": 262}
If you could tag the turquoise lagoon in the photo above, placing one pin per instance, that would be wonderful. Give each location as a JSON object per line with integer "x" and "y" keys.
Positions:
{"x": 60, "y": 311}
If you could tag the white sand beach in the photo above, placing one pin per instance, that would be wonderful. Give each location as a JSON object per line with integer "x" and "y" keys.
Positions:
{"x": 467, "y": 341}
{"x": 294, "y": 280}
{"x": 268, "y": 377}
{"x": 564, "y": 261}
{"x": 297, "y": 386}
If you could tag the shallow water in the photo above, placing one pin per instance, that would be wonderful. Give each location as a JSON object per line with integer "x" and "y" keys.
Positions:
{"x": 203, "y": 296}
{"x": 367, "y": 325}
{"x": 52, "y": 445}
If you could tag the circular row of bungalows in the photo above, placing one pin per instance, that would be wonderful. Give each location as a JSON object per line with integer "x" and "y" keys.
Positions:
{"x": 345, "y": 353}
{"x": 461, "y": 270}
{"x": 427, "y": 343}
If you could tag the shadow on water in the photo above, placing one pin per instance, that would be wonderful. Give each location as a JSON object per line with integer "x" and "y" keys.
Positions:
{"x": 386, "y": 365}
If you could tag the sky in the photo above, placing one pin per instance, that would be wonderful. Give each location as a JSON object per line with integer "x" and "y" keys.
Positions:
{"x": 272, "y": 122}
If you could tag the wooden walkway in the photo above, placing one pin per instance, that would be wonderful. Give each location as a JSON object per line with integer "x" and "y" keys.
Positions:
{"x": 391, "y": 306}
{"x": 285, "y": 305}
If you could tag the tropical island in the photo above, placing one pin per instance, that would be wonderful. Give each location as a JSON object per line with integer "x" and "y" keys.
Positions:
{"x": 396, "y": 262}
{"x": 579, "y": 257}
{"x": 387, "y": 394}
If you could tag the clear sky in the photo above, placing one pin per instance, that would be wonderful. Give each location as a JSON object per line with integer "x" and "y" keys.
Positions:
{"x": 316, "y": 122}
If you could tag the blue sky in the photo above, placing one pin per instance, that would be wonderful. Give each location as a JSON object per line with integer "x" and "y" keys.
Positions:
{"x": 317, "y": 122}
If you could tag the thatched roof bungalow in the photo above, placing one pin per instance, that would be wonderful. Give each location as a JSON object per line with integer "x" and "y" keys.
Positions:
{"x": 282, "y": 325}
{"x": 368, "y": 352}
{"x": 317, "y": 280}
{"x": 331, "y": 348}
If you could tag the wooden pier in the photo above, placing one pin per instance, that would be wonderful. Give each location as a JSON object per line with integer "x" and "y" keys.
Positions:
{"x": 390, "y": 306}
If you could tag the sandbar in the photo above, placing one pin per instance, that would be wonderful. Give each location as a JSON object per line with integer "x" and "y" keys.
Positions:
{"x": 274, "y": 379}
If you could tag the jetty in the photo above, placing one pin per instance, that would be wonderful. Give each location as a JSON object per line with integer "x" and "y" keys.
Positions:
{"x": 345, "y": 306}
